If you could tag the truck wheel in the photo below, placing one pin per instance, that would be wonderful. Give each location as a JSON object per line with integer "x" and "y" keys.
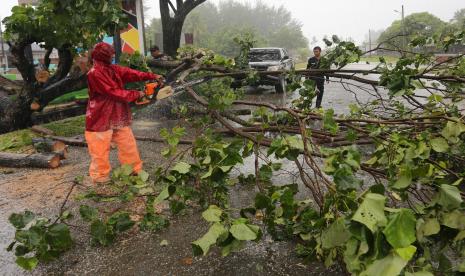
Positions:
{"x": 281, "y": 86}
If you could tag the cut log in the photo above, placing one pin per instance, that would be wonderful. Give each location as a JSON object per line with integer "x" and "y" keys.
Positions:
{"x": 71, "y": 141}
{"x": 47, "y": 145}
{"x": 37, "y": 160}
{"x": 42, "y": 130}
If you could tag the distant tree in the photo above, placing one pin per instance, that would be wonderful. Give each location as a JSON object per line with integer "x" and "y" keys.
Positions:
{"x": 172, "y": 18}
{"x": 458, "y": 21}
{"x": 422, "y": 23}
{"x": 214, "y": 26}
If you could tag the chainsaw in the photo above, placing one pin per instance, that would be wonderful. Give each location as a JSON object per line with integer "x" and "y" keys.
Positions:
{"x": 155, "y": 91}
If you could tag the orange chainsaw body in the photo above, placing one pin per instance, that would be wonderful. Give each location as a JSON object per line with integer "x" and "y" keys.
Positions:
{"x": 150, "y": 91}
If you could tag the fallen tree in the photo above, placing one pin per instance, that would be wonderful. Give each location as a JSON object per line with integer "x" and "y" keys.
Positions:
{"x": 383, "y": 208}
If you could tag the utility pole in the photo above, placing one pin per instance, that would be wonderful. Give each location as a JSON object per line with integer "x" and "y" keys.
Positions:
{"x": 5, "y": 57}
{"x": 403, "y": 29}
{"x": 369, "y": 41}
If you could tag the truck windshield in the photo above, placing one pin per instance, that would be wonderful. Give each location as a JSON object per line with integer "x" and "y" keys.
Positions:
{"x": 264, "y": 55}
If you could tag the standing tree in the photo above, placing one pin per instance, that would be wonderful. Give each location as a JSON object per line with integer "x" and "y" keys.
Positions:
{"x": 53, "y": 24}
{"x": 173, "y": 20}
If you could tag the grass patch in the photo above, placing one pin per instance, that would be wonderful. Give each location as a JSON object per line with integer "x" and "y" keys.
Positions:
{"x": 68, "y": 127}
{"x": 72, "y": 96}
{"x": 21, "y": 140}
{"x": 10, "y": 76}
{"x": 16, "y": 141}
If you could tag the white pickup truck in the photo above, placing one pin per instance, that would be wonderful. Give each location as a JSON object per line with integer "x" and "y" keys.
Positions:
{"x": 271, "y": 59}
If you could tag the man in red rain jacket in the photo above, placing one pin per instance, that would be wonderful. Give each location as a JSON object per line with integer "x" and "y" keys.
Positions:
{"x": 108, "y": 115}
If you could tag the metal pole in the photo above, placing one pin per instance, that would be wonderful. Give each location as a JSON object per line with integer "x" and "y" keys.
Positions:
{"x": 369, "y": 41}
{"x": 5, "y": 57}
{"x": 403, "y": 29}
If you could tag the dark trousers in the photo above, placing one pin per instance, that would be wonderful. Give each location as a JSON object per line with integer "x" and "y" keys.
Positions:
{"x": 320, "y": 85}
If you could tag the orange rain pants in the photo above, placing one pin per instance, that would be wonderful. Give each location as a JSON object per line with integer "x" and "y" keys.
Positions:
{"x": 99, "y": 144}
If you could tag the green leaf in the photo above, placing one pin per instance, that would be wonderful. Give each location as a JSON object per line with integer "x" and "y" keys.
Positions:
{"x": 202, "y": 245}
{"x": 27, "y": 263}
{"x": 407, "y": 252}
{"x": 439, "y": 144}
{"x": 212, "y": 214}
{"x": 345, "y": 180}
{"x": 262, "y": 201}
{"x": 88, "y": 213}
{"x": 234, "y": 246}
{"x": 101, "y": 233}
{"x": 449, "y": 197}
{"x": 59, "y": 237}
{"x": 244, "y": 232}
{"x": 455, "y": 220}
{"x": 336, "y": 235}
{"x": 144, "y": 176}
{"x": 371, "y": 212}
{"x": 391, "y": 265}
{"x": 121, "y": 221}
{"x": 427, "y": 227}
{"x": 400, "y": 230}
{"x": 19, "y": 221}
{"x": 164, "y": 194}
{"x": 404, "y": 180}
{"x": 182, "y": 168}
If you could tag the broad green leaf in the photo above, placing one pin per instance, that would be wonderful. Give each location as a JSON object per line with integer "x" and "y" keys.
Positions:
{"x": 182, "y": 168}
{"x": 164, "y": 194}
{"x": 27, "y": 263}
{"x": 121, "y": 221}
{"x": 208, "y": 174}
{"x": 345, "y": 180}
{"x": 449, "y": 197}
{"x": 59, "y": 237}
{"x": 391, "y": 265}
{"x": 262, "y": 201}
{"x": 212, "y": 214}
{"x": 439, "y": 144}
{"x": 404, "y": 180}
{"x": 354, "y": 249}
{"x": 244, "y": 232}
{"x": 336, "y": 235}
{"x": 101, "y": 233}
{"x": 407, "y": 252}
{"x": 454, "y": 219}
{"x": 144, "y": 176}
{"x": 234, "y": 246}
{"x": 202, "y": 245}
{"x": 427, "y": 227}
{"x": 88, "y": 213}
{"x": 400, "y": 230}
{"x": 371, "y": 212}
{"x": 20, "y": 221}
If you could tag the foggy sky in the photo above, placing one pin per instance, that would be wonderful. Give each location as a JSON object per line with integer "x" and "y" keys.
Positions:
{"x": 346, "y": 18}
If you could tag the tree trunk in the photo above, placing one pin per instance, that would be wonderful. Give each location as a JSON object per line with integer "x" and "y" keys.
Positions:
{"x": 172, "y": 25}
{"x": 37, "y": 160}
{"x": 172, "y": 31}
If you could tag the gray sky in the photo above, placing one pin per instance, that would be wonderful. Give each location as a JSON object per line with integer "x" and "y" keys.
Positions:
{"x": 346, "y": 18}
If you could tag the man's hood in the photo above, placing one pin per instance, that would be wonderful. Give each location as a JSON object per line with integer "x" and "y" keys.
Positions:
{"x": 103, "y": 52}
